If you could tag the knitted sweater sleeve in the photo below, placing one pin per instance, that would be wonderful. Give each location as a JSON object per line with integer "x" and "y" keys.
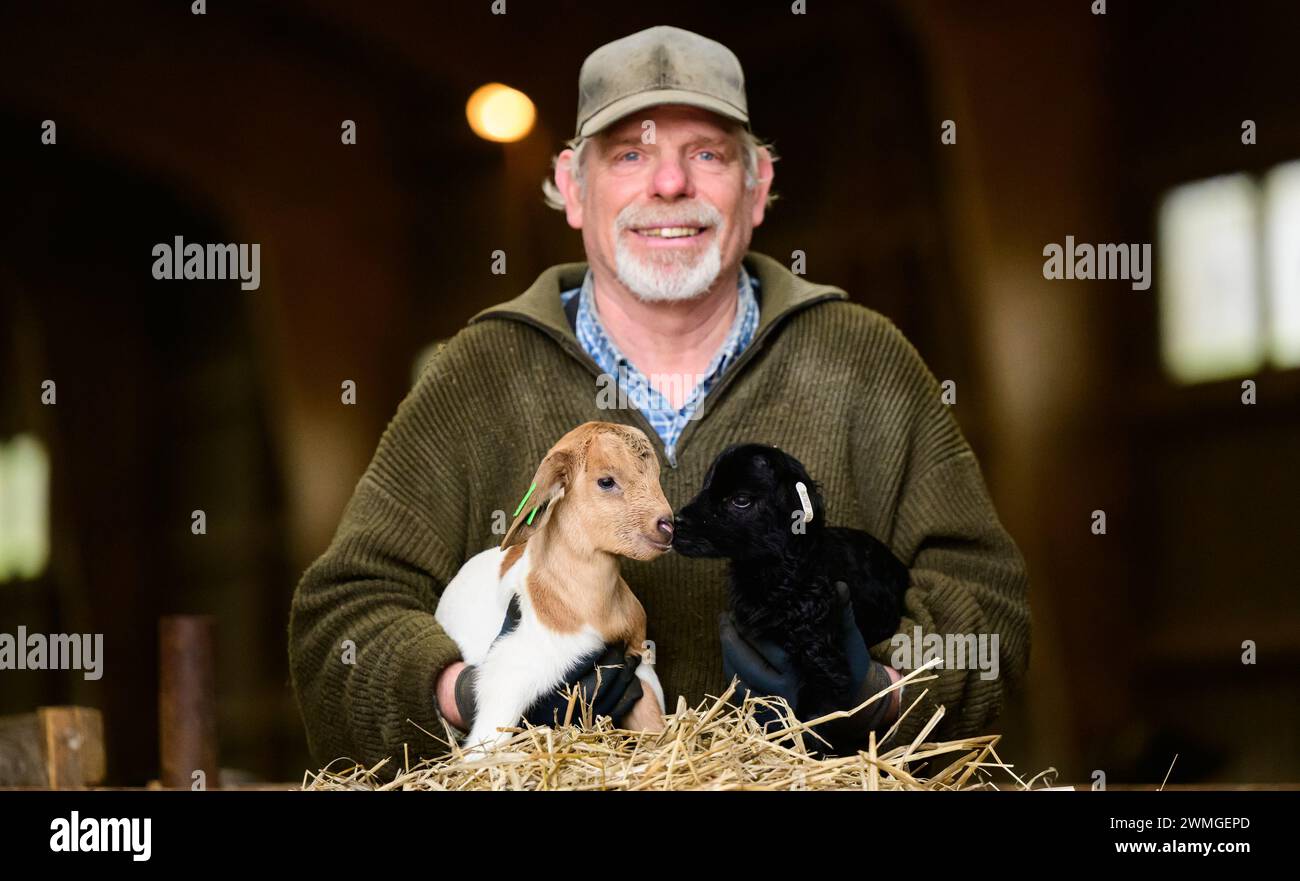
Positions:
{"x": 967, "y": 576}
{"x": 364, "y": 647}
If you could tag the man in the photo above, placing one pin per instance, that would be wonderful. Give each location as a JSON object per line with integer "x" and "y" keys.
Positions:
{"x": 711, "y": 345}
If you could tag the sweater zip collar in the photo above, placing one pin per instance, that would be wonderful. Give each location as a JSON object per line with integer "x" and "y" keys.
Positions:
{"x": 783, "y": 294}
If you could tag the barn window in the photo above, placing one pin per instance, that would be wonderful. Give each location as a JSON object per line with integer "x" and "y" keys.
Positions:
{"x": 1282, "y": 213}
{"x": 1230, "y": 275}
{"x": 24, "y": 508}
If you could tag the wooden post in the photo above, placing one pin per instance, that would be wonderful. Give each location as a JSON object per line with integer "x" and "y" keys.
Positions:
{"x": 187, "y": 711}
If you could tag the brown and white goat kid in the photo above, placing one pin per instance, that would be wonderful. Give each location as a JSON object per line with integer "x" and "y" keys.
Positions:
{"x": 595, "y": 497}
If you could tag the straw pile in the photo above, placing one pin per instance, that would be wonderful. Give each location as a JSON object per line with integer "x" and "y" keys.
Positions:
{"x": 715, "y": 746}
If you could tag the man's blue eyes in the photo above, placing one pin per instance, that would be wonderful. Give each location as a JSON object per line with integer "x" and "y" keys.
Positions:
{"x": 703, "y": 154}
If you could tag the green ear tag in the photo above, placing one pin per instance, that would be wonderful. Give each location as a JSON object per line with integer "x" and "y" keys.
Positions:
{"x": 529, "y": 521}
{"x": 524, "y": 499}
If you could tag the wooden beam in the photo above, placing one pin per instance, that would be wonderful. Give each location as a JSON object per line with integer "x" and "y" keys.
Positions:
{"x": 57, "y": 747}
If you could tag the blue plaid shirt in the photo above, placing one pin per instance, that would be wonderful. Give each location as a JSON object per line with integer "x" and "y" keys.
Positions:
{"x": 667, "y": 421}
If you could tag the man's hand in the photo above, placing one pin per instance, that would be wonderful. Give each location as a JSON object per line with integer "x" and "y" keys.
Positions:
{"x": 606, "y": 679}
{"x": 763, "y": 668}
{"x": 445, "y": 691}
{"x": 618, "y": 691}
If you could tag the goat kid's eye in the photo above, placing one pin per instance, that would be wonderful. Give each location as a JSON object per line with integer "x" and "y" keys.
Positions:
{"x": 606, "y": 483}
{"x": 740, "y": 501}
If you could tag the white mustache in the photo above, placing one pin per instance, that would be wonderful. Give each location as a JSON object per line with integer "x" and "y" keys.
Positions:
{"x": 697, "y": 214}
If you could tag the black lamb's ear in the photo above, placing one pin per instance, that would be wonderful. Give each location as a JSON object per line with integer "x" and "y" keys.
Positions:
{"x": 819, "y": 503}
{"x": 806, "y": 501}
{"x": 799, "y": 475}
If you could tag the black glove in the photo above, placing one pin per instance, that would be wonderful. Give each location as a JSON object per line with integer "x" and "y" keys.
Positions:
{"x": 761, "y": 668}
{"x": 764, "y": 668}
{"x": 851, "y": 733}
{"x": 618, "y": 691}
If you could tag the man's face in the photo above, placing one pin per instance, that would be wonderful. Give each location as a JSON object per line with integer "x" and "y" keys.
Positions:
{"x": 668, "y": 216}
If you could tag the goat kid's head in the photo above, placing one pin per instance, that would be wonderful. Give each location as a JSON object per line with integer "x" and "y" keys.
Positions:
{"x": 599, "y": 484}
{"x": 752, "y": 499}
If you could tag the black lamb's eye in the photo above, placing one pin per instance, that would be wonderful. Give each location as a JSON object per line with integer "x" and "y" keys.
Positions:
{"x": 740, "y": 500}
{"x": 606, "y": 483}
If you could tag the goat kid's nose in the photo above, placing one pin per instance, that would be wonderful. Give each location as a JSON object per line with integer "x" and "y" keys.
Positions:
{"x": 665, "y": 525}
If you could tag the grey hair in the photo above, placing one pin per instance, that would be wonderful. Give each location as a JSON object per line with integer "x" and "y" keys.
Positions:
{"x": 750, "y": 145}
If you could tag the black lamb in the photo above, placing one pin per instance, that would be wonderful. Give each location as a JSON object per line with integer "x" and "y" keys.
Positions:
{"x": 783, "y": 578}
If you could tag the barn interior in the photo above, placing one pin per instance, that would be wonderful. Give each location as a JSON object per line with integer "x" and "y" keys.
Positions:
{"x": 1175, "y": 633}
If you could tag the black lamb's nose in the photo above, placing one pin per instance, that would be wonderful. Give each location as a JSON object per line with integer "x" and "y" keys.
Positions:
{"x": 665, "y": 525}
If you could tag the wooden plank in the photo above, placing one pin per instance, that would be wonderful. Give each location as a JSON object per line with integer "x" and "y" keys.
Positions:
{"x": 73, "y": 744}
{"x": 54, "y": 747}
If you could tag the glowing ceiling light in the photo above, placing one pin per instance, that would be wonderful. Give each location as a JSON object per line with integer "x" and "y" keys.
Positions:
{"x": 500, "y": 113}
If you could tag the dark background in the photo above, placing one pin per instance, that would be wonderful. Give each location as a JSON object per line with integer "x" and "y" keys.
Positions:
{"x": 225, "y": 128}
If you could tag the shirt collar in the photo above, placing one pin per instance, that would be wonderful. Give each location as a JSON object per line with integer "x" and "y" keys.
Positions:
{"x": 591, "y": 332}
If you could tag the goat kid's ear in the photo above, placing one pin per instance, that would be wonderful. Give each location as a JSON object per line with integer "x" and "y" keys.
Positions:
{"x": 549, "y": 485}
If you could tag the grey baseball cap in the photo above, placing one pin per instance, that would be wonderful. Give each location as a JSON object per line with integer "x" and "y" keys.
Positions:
{"x": 660, "y": 65}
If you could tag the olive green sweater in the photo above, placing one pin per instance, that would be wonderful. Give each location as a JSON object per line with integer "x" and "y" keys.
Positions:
{"x": 829, "y": 381}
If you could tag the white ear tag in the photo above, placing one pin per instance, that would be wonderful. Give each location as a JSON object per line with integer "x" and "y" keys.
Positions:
{"x": 805, "y": 501}
{"x": 648, "y": 653}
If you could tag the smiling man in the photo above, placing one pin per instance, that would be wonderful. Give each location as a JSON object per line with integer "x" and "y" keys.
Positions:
{"x": 666, "y": 201}
{"x": 714, "y": 345}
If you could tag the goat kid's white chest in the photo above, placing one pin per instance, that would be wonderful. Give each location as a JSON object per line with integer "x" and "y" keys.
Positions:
{"x": 524, "y": 664}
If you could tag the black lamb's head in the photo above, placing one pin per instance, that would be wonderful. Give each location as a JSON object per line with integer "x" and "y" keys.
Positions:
{"x": 751, "y": 507}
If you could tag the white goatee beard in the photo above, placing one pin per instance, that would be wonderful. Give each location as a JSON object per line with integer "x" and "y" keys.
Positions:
{"x": 676, "y": 276}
